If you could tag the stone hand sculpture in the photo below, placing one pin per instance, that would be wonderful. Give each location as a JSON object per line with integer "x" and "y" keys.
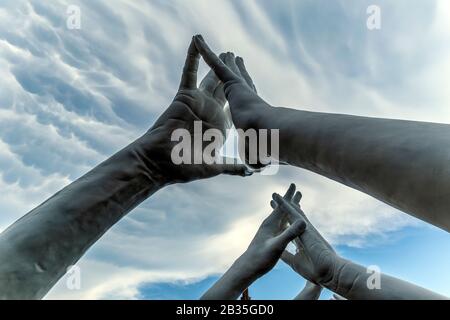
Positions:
{"x": 402, "y": 163}
{"x": 37, "y": 249}
{"x": 317, "y": 262}
{"x": 311, "y": 291}
{"x": 261, "y": 256}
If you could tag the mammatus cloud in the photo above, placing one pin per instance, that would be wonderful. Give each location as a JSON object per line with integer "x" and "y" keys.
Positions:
{"x": 71, "y": 98}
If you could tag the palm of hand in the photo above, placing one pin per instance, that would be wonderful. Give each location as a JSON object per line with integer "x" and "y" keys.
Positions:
{"x": 314, "y": 264}
{"x": 204, "y": 104}
{"x": 316, "y": 260}
{"x": 264, "y": 251}
{"x": 201, "y": 106}
{"x": 271, "y": 239}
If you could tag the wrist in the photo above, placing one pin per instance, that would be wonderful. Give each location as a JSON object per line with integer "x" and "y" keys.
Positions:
{"x": 243, "y": 271}
{"x": 232, "y": 283}
{"x": 334, "y": 281}
{"x": 153, "y": 154}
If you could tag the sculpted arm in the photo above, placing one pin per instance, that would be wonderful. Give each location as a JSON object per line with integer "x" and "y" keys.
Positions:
{"x": 317, "y": 262}
{"x": 311, "y": 291}
{"x": 402, "y": 163}
{"x": 36, "y": 250}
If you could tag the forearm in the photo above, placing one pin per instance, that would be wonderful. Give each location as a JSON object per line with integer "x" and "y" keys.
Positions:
{"x": 311, "y": 291}
{"x": 354, "y": 282}
{"x": 37, "y": 249}
{"x": 308, "y": 294}
{"x": 231, "y": 285}
{"x": 391, "y": 160}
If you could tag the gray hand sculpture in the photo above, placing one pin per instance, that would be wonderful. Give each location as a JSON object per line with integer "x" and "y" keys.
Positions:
{"x": 317, "y": 262}
{"x": 261, "y": 256}
{"x": 37, "y": 249}
{"x": 402, "y": 163}
{"x": 311, "y": 291}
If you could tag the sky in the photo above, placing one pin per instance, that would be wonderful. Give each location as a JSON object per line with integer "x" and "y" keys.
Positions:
{"x": 71, "y": 98}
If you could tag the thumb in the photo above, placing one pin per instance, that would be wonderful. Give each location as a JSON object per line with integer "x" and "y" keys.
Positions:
{"x": 288, "y": 235}
{"x": 231, "y": 169}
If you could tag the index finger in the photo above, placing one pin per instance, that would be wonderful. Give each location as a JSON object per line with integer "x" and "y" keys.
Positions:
{"x": 278, "y": 214}
{"x": 222, "y": 71}
{"x": 292, "y": 214}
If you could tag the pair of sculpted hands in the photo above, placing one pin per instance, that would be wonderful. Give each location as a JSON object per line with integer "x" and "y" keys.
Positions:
{"x": 204, "y": 103}
{"x": 315, "y": 260}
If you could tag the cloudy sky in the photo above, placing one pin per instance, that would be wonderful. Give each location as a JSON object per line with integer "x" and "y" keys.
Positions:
{"x": 71, "y": 98}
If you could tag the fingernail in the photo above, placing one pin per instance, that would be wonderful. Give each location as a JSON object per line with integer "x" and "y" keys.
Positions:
{"x": 301, "y": 226}
{"x": 199, "y": 37}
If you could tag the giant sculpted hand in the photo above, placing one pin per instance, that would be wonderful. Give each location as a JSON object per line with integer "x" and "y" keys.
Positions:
{"x": 194, "y": 110}
{"x": 245, "y": 105}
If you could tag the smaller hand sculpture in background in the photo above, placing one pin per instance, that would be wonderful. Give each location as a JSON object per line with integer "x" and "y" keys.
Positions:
{"x": 261, "y": 255}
